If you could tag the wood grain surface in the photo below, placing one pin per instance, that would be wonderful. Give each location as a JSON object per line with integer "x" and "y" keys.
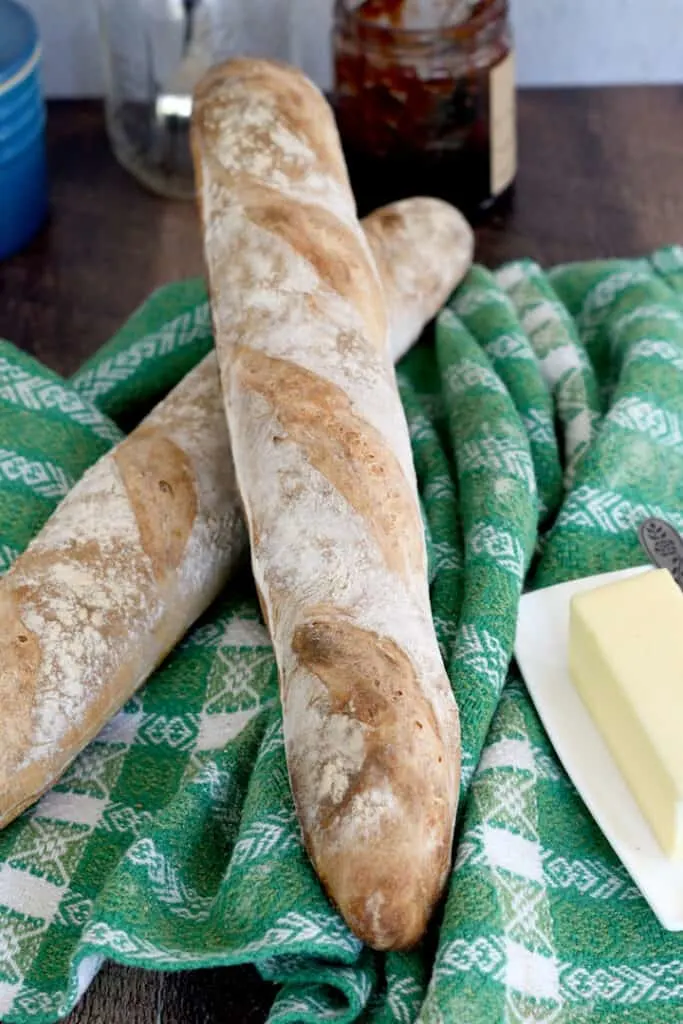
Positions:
{"x": 600, "y": 175}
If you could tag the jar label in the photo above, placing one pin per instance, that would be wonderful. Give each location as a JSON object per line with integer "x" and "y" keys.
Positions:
{"x": 503, "y": 121}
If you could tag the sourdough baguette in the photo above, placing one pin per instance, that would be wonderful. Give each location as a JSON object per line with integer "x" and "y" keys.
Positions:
{"x": 324, "y": 468}
{"x": 152, "y": 532}
{"x": 422, "y": 248}
{"x": 128, "y": 560}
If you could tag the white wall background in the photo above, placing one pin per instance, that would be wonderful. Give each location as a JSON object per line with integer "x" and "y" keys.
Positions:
{"x": 559, "y": 42}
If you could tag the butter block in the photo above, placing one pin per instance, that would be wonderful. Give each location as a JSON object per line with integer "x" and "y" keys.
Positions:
{"x": 626, "y": 661}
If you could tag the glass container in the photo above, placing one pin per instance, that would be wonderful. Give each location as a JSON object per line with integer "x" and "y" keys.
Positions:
{"x": 155, "y": 51}
{"x": 426, "y": 105}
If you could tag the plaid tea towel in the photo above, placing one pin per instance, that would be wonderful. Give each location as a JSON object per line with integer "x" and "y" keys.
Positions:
{"x": 547, "y": 420}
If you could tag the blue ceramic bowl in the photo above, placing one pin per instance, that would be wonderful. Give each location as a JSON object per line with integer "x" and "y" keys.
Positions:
{"x": 23, "y": 175}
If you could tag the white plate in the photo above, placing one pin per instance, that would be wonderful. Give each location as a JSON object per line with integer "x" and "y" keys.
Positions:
{"x": 541, "y": 649}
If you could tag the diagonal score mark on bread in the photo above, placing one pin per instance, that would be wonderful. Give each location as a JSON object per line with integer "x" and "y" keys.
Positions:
{"x": 370, "y": 678}
{"x": 330, "y": 247}
{"x": 318, "y": 418}
{"x": 165, "y": 503}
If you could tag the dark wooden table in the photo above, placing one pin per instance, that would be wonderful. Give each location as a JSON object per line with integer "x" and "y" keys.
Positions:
{"x": 600, "y": 175}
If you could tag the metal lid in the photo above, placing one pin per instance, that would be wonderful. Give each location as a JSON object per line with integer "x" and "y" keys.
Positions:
{"x": 19, "y": 44}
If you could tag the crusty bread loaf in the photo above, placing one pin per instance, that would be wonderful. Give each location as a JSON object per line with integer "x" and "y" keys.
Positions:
{"x": 149, "y": 536}
{"x": 324, "y": 468}
{"x": 441, "y": 243}
{"x": 130, "y": 558}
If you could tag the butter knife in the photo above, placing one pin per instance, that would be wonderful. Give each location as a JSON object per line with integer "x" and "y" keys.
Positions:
{"x": 663, "y": 545}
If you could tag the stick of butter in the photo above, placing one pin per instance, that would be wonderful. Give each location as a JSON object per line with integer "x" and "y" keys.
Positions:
{"x": 626, "y": 661}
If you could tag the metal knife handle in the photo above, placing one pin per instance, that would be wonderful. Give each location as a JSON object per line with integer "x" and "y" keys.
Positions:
{"x": 663, "y": 545}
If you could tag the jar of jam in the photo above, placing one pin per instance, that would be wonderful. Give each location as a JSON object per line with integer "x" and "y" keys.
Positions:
{"x": 426, "y": 109}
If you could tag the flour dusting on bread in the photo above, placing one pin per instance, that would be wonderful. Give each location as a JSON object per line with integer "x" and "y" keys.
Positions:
{"x": 324, "y": 467}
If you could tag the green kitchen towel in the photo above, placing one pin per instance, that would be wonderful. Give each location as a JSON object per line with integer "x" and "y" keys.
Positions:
{"x": 547, "y": 421}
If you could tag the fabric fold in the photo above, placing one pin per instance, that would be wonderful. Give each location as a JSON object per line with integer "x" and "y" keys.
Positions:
{"x": 546, "y": 419}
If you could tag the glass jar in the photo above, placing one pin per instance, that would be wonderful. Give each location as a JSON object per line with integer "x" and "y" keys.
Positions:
{"x": 426, "y": 110}
{"x": 155, "y": 52}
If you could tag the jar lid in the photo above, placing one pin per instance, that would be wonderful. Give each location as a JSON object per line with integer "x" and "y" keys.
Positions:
{"x": 19, "y": 44}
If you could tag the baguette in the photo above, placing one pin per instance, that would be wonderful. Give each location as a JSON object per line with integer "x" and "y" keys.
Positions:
{"x": 422, "y": 248}
{"x": 324, "y": 468}
{"x": 151, "y": 534}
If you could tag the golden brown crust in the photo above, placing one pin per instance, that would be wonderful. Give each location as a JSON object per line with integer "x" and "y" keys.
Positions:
{"x": 160, "y": 484}
{"x": 20, "y": 657}
{"x": 383, "y": 229}
{"x": 331, "y": 249}
{"x": 424, "y": 283}
{"x": 344, "y": 448}
{"x": 369, "y": 678}
{"x": 23, "y": 785}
